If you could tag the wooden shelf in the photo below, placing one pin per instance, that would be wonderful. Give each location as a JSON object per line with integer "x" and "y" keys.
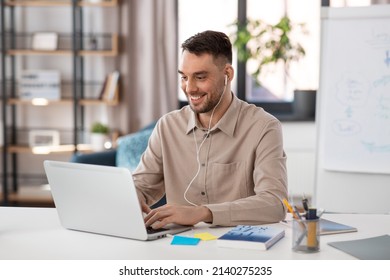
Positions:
{"x": 29, "y": 3}
{"x": 17, "y": 101}
{"x": 86, "y": 102}
{"x": 22, "y": 3}
{"x": 111, "y": 3}
{"x": 38, "y": 52}
{"x": 109, "y": 52}
{"x": 113, "y": 52}
{"x": 31, "y": 196}
{"x": 83, "y": 102}
{"x": 103, "y": 44}
{"x": 45, "y": 150}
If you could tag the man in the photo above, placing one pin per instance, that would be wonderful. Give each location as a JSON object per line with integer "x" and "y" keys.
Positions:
{"x": 218, "y": 160}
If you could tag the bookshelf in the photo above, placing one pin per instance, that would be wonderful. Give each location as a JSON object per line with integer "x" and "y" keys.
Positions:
{"x": 72, "y": 49}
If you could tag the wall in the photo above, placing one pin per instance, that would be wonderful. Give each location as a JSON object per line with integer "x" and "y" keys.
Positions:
{"x": 300, "y": 147}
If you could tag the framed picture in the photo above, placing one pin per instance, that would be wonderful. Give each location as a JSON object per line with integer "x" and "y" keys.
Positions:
{"x": 45, "y": 41}
{"x": 44, "y": 138}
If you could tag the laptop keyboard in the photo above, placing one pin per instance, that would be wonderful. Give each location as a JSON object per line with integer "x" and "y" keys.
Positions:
{"x": 151, "y": 230}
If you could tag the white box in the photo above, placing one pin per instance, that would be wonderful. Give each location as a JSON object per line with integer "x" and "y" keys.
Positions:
{"x": 44, "y": 138}
{"x": 40, "y": 84}
{"x": 45, "y": 41}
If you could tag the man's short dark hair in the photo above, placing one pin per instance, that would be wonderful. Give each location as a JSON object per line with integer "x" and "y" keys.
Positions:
{"x": 212, "y": 42}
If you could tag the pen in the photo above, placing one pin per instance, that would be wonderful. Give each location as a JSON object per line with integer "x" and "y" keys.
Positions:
{"x": 290, "y": 209}
{"x": 305, "y": 203}
{"x": 300, "y": 238}
{"x": 297, "y": 212}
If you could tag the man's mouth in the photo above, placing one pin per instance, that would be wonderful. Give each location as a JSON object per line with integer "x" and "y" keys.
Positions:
{"x": 196, "y": 98}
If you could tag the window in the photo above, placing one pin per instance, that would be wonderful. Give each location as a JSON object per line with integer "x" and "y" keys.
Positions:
{"x": 279, "y": 83}
{"x": 200, "y": 15}
{"x": 276, "y": 94}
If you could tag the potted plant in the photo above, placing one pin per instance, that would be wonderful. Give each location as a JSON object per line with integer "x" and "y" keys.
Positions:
{"x": 265, "y": 44}
{"x": 99, "y": 135}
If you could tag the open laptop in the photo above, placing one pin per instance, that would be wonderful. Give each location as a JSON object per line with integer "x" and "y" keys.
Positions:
{"x": 99, "y": 199}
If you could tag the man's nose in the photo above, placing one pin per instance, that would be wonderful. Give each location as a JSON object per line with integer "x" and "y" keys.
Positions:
{"x": 191, "y": 86}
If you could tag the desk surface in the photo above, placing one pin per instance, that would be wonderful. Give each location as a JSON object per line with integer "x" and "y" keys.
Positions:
{"x": 36, "y": 233}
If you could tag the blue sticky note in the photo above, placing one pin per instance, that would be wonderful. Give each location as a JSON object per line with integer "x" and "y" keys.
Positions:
{"x": 183, "y": 240}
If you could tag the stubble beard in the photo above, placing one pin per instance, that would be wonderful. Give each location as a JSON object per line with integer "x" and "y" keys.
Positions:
{"x": 205, "y": 107}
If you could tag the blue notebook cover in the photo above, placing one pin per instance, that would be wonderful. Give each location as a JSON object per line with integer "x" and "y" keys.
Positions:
{"x": 251, "y": 237}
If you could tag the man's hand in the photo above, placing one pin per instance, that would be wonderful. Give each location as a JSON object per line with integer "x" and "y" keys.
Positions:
{"x": 144, "y": 207}
{"x": 182, "y": 215}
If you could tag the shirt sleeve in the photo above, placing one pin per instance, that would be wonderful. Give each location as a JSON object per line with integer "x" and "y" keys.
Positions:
{"x": 270, "y": 185}
{"x": 148, "y": 176}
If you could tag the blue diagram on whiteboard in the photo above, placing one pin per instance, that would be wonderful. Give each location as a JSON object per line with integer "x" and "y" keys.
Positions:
{"x": 387, "y": 59}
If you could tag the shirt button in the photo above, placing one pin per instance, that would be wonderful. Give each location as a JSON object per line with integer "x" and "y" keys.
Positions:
{"x": 203, "y": 164}
{"x": 203, "y": 193}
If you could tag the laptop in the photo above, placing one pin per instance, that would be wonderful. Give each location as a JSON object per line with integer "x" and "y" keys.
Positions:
{"x": 100, "y": 199}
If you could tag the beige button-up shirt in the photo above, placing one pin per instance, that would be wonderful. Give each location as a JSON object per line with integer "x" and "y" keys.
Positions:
{"x": 242, "y": 174}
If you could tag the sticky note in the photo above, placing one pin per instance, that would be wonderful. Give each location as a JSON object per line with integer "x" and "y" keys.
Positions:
{"x": 183, "y": 240}
{"x": 205, "y": 236}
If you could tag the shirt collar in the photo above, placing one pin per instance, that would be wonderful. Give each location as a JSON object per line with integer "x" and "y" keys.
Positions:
{"x": 226, "y": 124}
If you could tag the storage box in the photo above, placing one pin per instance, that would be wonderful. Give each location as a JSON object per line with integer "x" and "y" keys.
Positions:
{"x": 40, "y": 84}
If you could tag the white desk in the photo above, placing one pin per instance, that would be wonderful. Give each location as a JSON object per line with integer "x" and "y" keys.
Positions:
{"x": 35, "y": 233}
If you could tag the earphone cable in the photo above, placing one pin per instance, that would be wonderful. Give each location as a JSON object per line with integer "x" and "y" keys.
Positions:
{"x": 200, "y": 146}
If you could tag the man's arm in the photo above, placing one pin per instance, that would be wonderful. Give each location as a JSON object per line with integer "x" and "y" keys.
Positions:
{"x": 270, "y": 186}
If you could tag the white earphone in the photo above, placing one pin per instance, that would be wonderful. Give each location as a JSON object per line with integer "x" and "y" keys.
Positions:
{"x": 197, "y": 148}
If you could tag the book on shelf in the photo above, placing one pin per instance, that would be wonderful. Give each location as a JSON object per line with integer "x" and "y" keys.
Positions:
{"x": 103, "y": 89}
{"x": 251, "y": 237}
{"x": 110, "y": 87}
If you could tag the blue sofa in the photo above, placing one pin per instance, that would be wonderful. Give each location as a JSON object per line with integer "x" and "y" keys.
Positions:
{"x": 127, "y": 154}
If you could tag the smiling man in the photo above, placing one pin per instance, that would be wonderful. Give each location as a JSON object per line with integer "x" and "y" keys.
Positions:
{"x": 218, "y": 160}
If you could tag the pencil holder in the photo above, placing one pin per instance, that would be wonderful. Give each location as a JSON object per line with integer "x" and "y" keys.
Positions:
{"x": 306, "y": 235}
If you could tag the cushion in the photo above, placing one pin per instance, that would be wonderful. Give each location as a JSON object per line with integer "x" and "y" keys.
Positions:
{"x": 131, "y": 147}
{"x": 99, "y": 158}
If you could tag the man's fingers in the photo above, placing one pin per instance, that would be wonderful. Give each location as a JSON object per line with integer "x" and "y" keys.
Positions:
{"x": 158, "y": 218}
{"x": 145, "y": 208}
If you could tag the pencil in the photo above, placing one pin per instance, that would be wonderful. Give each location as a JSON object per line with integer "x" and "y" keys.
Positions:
{"x": 290, "y": 209}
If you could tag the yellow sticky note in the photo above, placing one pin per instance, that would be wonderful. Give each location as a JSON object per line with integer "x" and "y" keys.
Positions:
{"x": 205, "y": 236}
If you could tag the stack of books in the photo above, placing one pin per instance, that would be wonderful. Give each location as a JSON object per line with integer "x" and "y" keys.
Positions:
{"x": 109, "y": 90}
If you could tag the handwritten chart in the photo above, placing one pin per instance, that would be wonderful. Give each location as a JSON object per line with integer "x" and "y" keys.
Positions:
{"x": 355, "y": 89}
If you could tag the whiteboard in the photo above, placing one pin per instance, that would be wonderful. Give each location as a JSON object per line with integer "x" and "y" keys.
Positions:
{"x": 353, "y": 110}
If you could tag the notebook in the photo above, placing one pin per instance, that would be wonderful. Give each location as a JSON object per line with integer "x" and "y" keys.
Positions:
{"x": 373, "y": 248}
{"x": 99, "y": 199}
{"x": 251, "y": 237}
{"x": 330, "y": 227}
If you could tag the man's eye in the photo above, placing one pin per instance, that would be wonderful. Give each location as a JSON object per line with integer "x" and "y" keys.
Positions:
{"x": 200, "y": 77}
{"x": 183, "y": 78}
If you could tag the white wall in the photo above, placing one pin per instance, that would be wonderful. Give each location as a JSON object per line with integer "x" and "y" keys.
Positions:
{"x": 300, "y": 147}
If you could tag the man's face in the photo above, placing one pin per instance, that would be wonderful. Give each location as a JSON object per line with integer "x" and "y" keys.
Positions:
{"x": 202, "y": 81}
